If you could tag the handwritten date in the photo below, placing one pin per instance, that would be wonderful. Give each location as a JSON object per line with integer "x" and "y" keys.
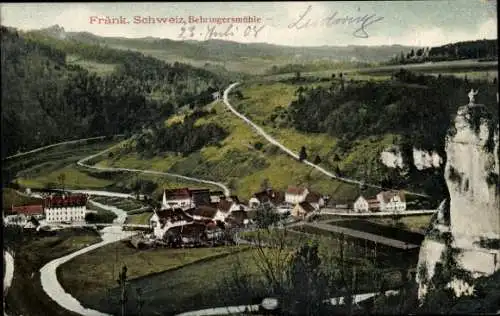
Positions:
{"x": 224, "y": 31}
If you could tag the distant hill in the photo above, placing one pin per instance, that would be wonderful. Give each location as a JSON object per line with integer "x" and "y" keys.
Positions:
{"x": 221, "y": 50}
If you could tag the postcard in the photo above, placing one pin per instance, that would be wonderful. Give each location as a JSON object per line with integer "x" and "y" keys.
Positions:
{"x": 250, "y": 158}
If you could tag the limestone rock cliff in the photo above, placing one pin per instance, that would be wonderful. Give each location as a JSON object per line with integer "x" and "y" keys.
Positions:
{"x": 467, "y": 225}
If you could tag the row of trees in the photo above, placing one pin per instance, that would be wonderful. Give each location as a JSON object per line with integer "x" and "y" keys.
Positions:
{"x": 479, "y": 49}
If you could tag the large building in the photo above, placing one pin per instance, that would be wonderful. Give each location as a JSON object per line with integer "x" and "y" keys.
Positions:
{"x": 65, "y": 208}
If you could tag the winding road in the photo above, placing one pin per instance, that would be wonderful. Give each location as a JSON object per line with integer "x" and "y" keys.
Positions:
{"x": 76, "y": 141}
{"x": 82, "y": 163}
{"x": 48, "y": 275}
{"x": 294, "y": 155}
{"x": 9, "y": 275}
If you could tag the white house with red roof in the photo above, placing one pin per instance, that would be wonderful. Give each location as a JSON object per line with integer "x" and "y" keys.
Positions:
{"x": 296, "y": 195}
{"x": 177, "y": 198}
{"x": 65, "y": 208}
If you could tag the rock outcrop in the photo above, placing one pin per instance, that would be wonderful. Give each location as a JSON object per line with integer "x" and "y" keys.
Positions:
{"x": 468, "y": 225}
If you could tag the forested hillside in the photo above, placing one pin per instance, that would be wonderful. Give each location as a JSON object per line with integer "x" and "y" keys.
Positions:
{"x": 45, "y": 100}
{"x": 419, "y": 108}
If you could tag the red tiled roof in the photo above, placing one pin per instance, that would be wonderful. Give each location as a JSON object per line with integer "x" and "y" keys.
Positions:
{"x": 313, "y": 197}
{"x": 306, "y": 206}
{"x": 274, "y": 197}
{"x": 203, "y": 211}
{"x": 295, "y": 190}
{"x": 224, "y": 205}
{"x": 194, "y": 229}
{"x": 62, "y": 201}
{"x": 174, "y": 215}
{"x": 28, "y": 209}
{"x": 177, "y": 194}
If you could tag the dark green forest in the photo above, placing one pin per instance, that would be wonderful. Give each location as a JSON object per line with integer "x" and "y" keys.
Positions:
{"x": 45, "y": 100}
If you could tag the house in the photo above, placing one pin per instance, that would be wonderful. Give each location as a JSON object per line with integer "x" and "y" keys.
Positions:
{"x": 363, "y": 205}
{"x": 16, "y": 219}
{"x": 162, "y": 220}
{"x": 229, "y": 206}
{"x": 392, "y": 201}
{"x": 177, "y": 198}
{"x": 302, "y": 209}
{"x": 269, "y": 197}
{"x": 188, "y": 234}
{"x": 65, "y": 208}
{"x": 216, "y": 196}
{"x": 340, "y": 204}
{"x": 295, "y": 195}
{"x": 214, "y": 232}
{"x": 360, "y": 205}
{"x": 373, "y": 205}
{"x": 206, "y": 212}
{"x": 35, "y": 211}
{"x": 238, "y": 218}
{"x": 200, "y": 197}
{"x": 315, "y": 199}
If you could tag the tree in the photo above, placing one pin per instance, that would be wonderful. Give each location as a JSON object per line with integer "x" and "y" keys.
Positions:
{"x": 61, "y": 178}
{"x": 308, "y": 285}
{"x": 266, "y": 216}
{"x": 302, "y": 154}
{"x": 317, "y": 160}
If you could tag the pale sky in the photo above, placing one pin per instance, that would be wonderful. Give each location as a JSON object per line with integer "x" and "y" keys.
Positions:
{"x": 417, "y": 23}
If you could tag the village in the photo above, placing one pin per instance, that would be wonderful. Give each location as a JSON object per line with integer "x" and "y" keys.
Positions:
{"x": 194, "y": 217}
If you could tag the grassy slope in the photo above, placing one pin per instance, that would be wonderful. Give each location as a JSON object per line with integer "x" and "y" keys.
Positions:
{"x": 141, "y": 219}
{"x": 236, "y": 160}
{"x": 192, "y": 278}
{"x": 41, "y": 169}
{"x": 98, "y": 273}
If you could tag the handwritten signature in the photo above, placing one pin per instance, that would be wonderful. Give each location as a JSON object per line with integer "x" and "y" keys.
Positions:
{"x": 332, "y": 20}
{"x": 225, "y": 31}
